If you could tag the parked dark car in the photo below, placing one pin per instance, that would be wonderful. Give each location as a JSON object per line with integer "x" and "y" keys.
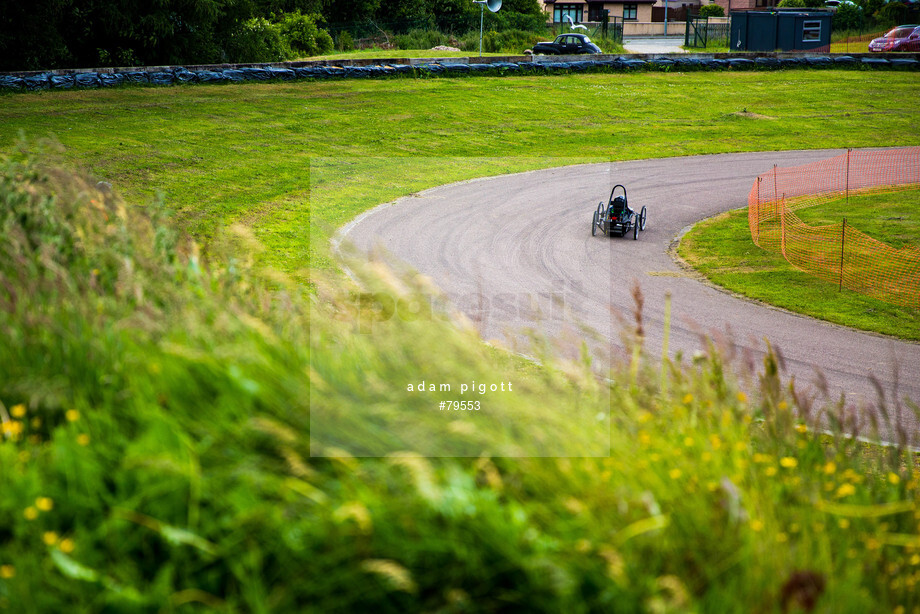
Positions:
{"x": 902, "y": 38}
{"x": 567, "y": 44}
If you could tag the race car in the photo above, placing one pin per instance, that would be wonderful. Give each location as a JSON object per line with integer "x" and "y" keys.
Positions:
{"x": 616, "y": 218}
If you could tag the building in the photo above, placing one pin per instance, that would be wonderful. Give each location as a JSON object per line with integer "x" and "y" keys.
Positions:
{"x": 781, "y": 29}
{"x": 581, "y": 11}
{"x": 730, "y": 6}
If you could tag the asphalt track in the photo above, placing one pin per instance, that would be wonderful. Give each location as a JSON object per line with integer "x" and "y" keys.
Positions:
{"x": 516, "y": 251}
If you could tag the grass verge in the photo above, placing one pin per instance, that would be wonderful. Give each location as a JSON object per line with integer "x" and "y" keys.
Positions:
{"x": 721, "y": 249}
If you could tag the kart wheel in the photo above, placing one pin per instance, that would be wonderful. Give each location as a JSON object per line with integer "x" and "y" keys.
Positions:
{"x": 635, "y": 231}
{"x": 594, "y": 225}
{"x": 642, "y": 216}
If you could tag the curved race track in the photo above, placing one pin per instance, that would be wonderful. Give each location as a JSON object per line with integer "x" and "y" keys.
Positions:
{"x": 497, "y": 246}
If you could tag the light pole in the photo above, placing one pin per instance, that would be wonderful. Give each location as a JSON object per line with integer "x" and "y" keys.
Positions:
{"x": 665, "y": 17}
{"x": 493, "y": 5}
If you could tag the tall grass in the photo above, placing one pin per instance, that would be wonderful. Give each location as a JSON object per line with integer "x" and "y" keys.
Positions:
{"x": 159, "y": 450}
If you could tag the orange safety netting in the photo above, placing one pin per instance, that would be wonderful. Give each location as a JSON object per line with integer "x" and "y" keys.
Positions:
{"x": 839, "y": 253}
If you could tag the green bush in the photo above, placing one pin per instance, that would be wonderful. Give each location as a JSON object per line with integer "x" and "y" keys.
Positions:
{"x": 256, "y": 40}
{"x": 301, "y": 34}
{"x": 421, "y": 39}
{"x": 344, "y": 41}
{"x": 512, "y": 42}
{"x": 712, "y": 10}
{"x": 791, "y": 4}
{"x": 892, "y": 14}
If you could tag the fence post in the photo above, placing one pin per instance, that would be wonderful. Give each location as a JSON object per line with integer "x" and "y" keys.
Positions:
{"x": 774, "y": 183}
{"x": 843, "y": 238}
{"x": 782, "y": 227}
{"x": 848, "y": 176}
{"x": 775, "y": 199}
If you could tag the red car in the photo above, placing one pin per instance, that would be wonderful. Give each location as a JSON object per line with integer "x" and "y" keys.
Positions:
{"x": 902, "y": 38}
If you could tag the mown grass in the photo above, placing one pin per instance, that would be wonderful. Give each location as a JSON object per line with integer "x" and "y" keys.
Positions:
{"x": 159, "y": 449}
{"x": 285, "y": 157}
{"x": 721, "y": 248}
{"x": 890, "y": 217}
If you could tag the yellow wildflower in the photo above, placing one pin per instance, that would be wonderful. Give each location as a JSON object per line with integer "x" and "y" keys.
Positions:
{"x": 788, "y": 462}
{"x": 72, "y": 415}
{"x": 845, "y": 490}
{"x": 30, "y": 513}
{"x": 83, "y": 439}
{"x": 844, "y": 523}
{"x": 756, "y": 526}
{"x": 50, "y": 538}
{"x": 18, "y": 411}
{"x": 675, "y": 473}
{"x": 894, "y": 478}
{"x": 742, "y": 398}
{"x": 67, "y": 546}
{"x": 45, "y": 504}
{"x": 12, "y": 428}
{"x": 830, "y": 467}
{"x": 802, "y": 428}
{"x": 7, "y": 571}
{"x": 688, "y": 398}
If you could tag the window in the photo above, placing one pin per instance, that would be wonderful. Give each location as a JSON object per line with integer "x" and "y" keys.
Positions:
{"x": 811, "y": 31}
{"x": 596, "y": 12}
{"x": 572, "y": 10}
{"x": 630, "y": 12}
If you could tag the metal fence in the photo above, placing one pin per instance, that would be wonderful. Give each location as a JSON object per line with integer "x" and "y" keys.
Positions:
{"x": 701, "y": 33}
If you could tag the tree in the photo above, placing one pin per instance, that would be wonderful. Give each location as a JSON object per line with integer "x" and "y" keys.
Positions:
{"x": 30, "y": 35}
{"x": 455, "y": 15}
{"x": 404, "y": 15}
{"x": 791, "y": 4}
{"x": 340, "y": 12}
{"x": 848, "y": 17}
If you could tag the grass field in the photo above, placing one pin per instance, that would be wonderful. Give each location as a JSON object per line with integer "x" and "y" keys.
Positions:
{"x": 159, "y": 401}
{"x": 247, "y": 153}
